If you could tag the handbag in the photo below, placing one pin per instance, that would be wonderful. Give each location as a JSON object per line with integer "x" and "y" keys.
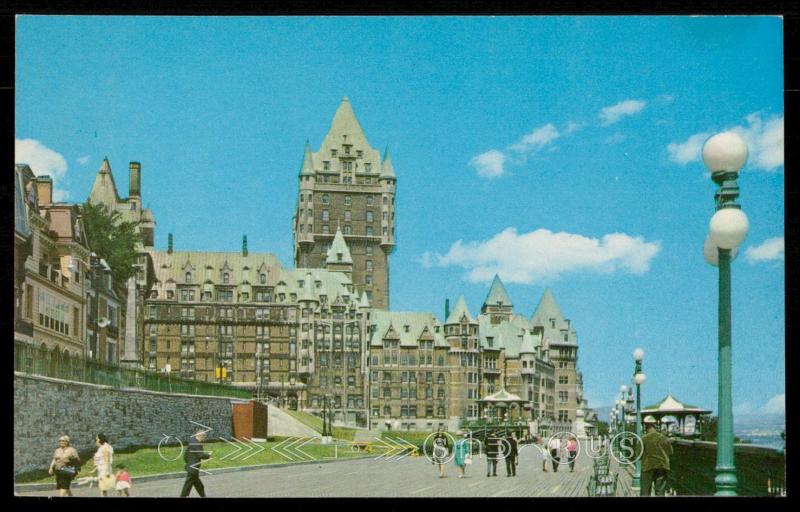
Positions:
{"x": 67, "y": 471}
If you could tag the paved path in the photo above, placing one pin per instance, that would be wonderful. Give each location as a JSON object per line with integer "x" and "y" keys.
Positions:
{"x": 407, "y": 477}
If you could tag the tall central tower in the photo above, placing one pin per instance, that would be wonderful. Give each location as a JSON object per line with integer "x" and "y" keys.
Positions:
{"x": 347, "y": 186}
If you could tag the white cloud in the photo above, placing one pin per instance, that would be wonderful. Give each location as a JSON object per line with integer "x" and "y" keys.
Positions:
{"x": 572, "y": 127}
{"x": 83, "y": 160}
{"x": 43, "y": 161}
{"x": 769, "y": 250}
{"x": 537, "y": 139}
{"x": 688, "y": 150}
{"x": 615, "y": 139}
{"x": 764, "y": 143}
{"x": 614, "y": 113}
{"x": 543, "y": 255}
{"x": 776, "y": 405}
{"x": 489, "y": 164}
{"x": 666, "y": 98}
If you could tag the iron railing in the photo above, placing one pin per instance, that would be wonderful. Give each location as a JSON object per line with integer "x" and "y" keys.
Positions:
{"x": 51, "y": 363}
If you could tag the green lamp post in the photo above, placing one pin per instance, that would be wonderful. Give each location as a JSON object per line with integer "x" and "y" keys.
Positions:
{"x": 638, "y": 378}
{"x": 725, "y": 154}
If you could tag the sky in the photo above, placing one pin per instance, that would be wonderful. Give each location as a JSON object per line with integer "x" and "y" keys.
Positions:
{"x": 559, "y": 152}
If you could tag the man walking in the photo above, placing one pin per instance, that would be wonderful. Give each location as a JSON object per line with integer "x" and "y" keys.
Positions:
{"x": 554, "y": 446}
{"x": 656, "y": 451}
{"x": 511, "y": 455}
{"x": 193, "y": 457}
{"x": 492, "y": 453}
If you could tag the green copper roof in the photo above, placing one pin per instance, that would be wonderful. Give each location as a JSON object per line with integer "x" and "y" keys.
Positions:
{"x": 364, "y": 301}
{"x": 307, "y": 168}
{"x": 339, "y": 246}
{"x": 548, "y": 315}
{"x": 498, "y": 294}
{"x": 458, "y": 312}
{"x": 671, "y": 404}
{"x": 409, "y": 326}
{"x": 387, "y": 169}
{"x": 528, "y": 346}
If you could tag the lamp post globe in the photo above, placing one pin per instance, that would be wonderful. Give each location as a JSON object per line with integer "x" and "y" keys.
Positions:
{"x": 623, "y": 389}
{"x": 725, "y": 152}
{"x": 638, "y": 354}
{"x": 640, "y": 378}
{"x": 728, "y": 227}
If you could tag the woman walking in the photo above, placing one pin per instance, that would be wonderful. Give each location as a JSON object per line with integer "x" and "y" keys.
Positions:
{"x": 462, "y": 454}
{"x": 103, "y": 462}
{"x": 572, "y": 451}
{"x": 65, "y": 466}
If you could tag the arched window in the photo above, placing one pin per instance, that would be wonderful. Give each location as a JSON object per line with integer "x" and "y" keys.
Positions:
{"x": 226, "y": 277}
{"x": 325, "y": 199}
{"x": 263, "y": 278}
{"x": 188, "y": 277}
{"x": 440, "y": 379}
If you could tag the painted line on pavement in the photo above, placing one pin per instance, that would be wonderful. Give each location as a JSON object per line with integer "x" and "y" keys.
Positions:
{"x": 423, "y": 489}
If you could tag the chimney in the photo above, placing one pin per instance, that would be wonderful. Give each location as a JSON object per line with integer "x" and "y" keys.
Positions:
{"x": 244, "y": 245}
{"x": 446, "y": 309}
{"x": 135, "y": 179}
{"x": 44, "y": 189}
{"x": 169, "y": 243}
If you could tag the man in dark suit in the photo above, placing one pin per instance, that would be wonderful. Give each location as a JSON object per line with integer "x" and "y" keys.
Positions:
{"x": 511, "y": 454}
{"x": 194, "y": 456}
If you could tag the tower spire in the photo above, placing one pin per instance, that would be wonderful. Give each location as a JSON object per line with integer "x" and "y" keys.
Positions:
{"x": 307, "y": 167}
{"x": 387, "y": 169}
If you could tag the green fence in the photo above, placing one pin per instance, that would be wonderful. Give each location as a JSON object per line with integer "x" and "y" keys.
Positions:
{"x": 760, "y": 471}
{"x": 53, "y": 363}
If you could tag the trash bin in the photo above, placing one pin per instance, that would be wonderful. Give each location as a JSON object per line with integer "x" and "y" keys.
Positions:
{"x": 249, "y": 420}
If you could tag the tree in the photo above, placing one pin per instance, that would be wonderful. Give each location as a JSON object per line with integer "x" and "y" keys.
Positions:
{"x": 602, "y": 428}
{"x": 709, "y": 429}
{"x": 112, "y": 239}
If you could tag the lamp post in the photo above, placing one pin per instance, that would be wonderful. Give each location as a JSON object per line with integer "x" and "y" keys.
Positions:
{"x": 638, "y": 378}
{"x": 725, "y": 154}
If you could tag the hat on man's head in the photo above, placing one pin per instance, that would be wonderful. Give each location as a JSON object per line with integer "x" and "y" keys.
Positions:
{"x": 649, "y": 419}
{"x": 64, "y": 438}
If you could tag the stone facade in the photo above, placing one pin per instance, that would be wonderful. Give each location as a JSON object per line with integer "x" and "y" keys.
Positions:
{"x": 46, "y": 408}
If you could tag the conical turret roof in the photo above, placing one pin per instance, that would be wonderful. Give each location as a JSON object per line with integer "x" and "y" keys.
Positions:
{"x": 387, "y": 169}
{"x": 459, "y": 311}
{"x": 104, "y": 189}
{"x": 344, "y": 124}
{"x": 308, "y": 288}
{"x": 339, "y": 246}
{"x": 498, "y": 294}
{"x": 364, "y": 301}
{"x": 547, "y": 309}
{"x": 307, "y": 168}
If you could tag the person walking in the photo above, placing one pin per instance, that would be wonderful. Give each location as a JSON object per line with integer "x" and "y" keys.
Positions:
{"x": 462, "y": 455}
{"x": 656, "y": 451}
{"x": 123, "y": 481}
{"x": 64, "y": 466}
{"x": 554, "y": 447}
{"x": 492, "y": 454}
{"x": 543, "y": 449}
{"x": 511, "y": 454}
{"x": 440, "y": 454}
{"x": 193, "y": 457}
{"x": 572, "y": 452}
{"x": 103, "y": 460}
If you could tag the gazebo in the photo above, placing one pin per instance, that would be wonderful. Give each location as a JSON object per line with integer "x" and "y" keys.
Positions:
{"x": 670, "y": 406}
{"x": 504, "y": 401}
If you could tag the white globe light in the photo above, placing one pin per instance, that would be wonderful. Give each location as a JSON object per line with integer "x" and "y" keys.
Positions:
{"x": 711, "y": 252}
{"x": 728, "y": 227}
{"x": 638, "y": 354}
{"x": 725, "y": 152}
{"x": 623, "y": 389}
{"x": 640, "y": 378}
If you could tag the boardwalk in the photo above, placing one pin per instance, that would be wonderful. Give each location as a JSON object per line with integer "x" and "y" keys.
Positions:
{"x": 409, "y": 477}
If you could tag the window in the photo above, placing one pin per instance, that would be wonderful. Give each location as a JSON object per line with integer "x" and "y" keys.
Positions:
{"x": 325, "y": 230}
{"x": 347, "y": 229}
{"x": 333, "y": 152}
{"x": 368, "y": 264}
{"x": 347, "y": 200}
{"x": 369, "y": 231}
{"x": 188, "y": 277}
{"x": 170, "y": 294}
{"x": 368, "y": 280}
{"x": 563, "y": 396}
{"x": 370, "y": 199}
{"x": 326, "y": 165}
{"x": 226, "y": 277}
{"x": 325, "y": 199}
{"x": 563, "y": 379}
{"x": 325, "y": 215}
{"x": 263, "y": 278}
{"x": 369, "y": 250}
{"x": 347, "y": 215}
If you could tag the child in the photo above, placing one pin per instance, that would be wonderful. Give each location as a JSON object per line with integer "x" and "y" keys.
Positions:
{"x": 123, "y": 481}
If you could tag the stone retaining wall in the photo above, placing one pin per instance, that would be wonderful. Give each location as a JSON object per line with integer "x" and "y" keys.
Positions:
{"x": 46, "y": 408}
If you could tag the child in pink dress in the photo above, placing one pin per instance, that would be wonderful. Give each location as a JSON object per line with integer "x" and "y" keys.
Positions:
{"x": 123, "y": 481}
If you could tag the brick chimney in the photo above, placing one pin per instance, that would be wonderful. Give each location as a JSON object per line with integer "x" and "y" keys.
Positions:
{"x": 135, "y": 179}
{"x": 44, "y": 189}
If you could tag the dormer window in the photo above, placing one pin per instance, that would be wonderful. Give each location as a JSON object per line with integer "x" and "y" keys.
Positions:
{"x": 339, "y": 257}
{"x": 188, "y": 277}
{"x": 553, "y": 323}
{"x": 325, "y": 199}
{"x": 359, "y": 153}
{"x": 226, "y": 277}
{"x": 348, "y": 200}
{"x": 490, "y": 341}
{"x": 263, "y": 278}
{"x": 318, "y": 284}
{"x": 326, "y": 165}
{"x": 406, "y": 328}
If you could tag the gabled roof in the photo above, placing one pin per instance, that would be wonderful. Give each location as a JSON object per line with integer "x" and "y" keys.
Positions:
{"x": 104, "y": 190}
{"x": 417, "y": 322}
{"x": 554, "y": 331}
{"x": 498, "y": 294}
{"x": 364, "y": 301}
{"x": 339, "y": 246}
{"x": 502, "y": 396}
{"x": 459, "y": 311}
{"x": 672, "y": 405}
{"x": 387, "y": 169}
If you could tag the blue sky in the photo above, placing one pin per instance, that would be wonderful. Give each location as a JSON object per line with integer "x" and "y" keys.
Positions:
{"x": 557, "y": 151}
